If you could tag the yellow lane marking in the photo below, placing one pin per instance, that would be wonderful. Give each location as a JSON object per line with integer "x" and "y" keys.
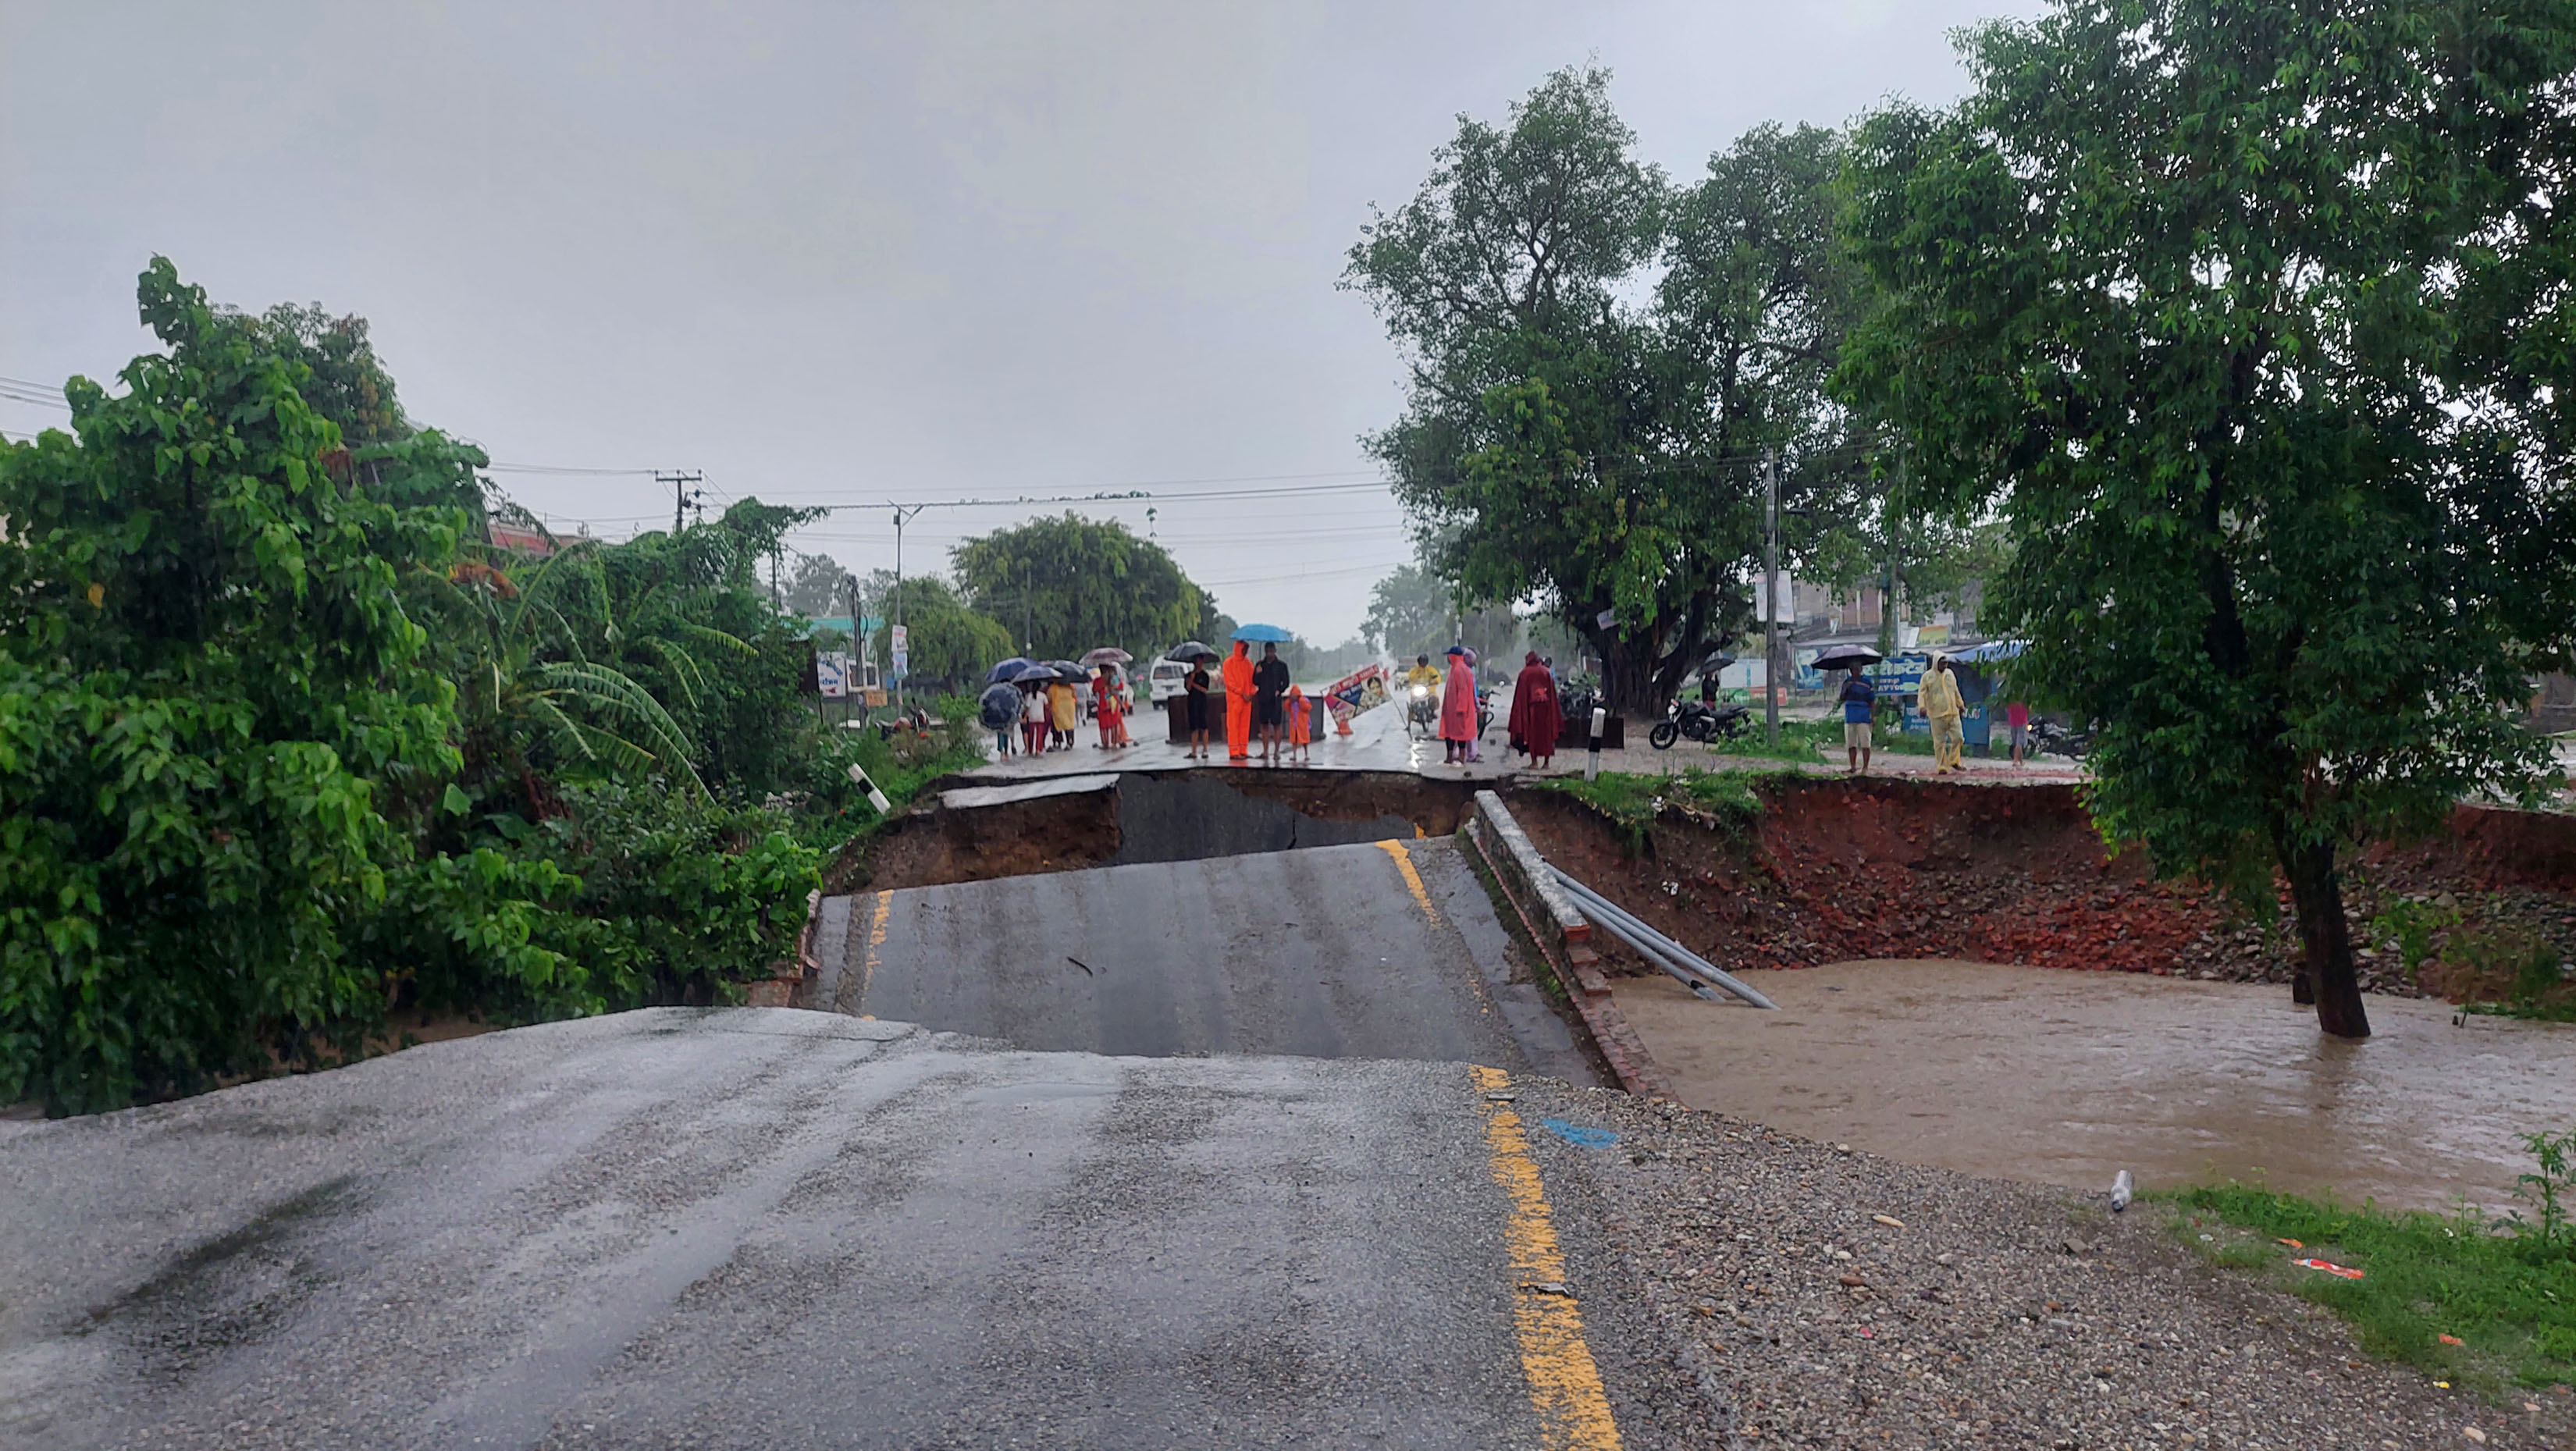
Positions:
{"x": 1565, "y": 1386}
{"x": 1412, "y": 878}
{"x": 876, "y": 939}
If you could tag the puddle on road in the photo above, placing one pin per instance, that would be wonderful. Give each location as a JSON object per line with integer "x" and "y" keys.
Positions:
{"x": 2068, "y": 1077}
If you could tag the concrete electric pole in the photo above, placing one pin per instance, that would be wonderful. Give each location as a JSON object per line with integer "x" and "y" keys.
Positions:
{"x": 1771, "y": 594}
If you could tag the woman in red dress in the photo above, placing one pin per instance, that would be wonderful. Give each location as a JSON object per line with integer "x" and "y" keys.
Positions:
{"x": 1104, "y": 703}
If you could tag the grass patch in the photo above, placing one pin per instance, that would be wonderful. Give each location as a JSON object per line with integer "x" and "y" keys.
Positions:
{"x": 2508, "y": 1299}
{"x": 1632, "y": 801}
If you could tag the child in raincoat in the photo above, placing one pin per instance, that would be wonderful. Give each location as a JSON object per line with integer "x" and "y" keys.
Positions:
{"x": 1297, "y": 717}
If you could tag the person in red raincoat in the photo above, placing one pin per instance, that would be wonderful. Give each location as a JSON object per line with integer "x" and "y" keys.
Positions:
{"x": 1458, "y": 708}
{"x": 1536, "y": 715}
{"x": 1238, "y": 702}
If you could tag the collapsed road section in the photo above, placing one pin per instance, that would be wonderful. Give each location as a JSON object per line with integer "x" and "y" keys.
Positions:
{"x": 1384, "y": 950}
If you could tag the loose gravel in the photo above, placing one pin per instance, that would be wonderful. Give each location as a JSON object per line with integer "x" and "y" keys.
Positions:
{"x": 1819, "y": 1297}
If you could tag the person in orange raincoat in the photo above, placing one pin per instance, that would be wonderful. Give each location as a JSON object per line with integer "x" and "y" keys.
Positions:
{"x": 1298, "y": 713}
{"x": 1238, "y": 703}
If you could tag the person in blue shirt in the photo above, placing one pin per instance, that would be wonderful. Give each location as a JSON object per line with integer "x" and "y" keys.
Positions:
{"x": 1860, "y": 700}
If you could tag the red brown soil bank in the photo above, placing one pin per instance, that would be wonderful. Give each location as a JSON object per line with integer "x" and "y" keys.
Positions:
{"x": 1878, "y": 867}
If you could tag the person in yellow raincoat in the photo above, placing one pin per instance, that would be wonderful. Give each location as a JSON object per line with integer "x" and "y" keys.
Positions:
{"x": 1942, "y": 706}
{"x": 1238, "y": 703}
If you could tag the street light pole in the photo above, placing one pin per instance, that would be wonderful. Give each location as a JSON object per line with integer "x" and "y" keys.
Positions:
{"x": 894, "y": 608}
{"x": 1771, "y": 594}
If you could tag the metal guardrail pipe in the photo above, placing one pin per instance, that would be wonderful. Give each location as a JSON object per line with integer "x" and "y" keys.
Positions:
{"x": 1630, "y": 929}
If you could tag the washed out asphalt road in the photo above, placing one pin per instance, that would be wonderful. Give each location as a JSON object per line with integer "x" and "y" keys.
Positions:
{"x": 771, "y": 1228}
{"x": 1382, "y": 950}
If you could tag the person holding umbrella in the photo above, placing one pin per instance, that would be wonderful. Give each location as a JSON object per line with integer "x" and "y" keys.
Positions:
{"x": 999, "y": 708}
{"x": 1064, "y": 712}
{"x": 1269, "y": 702}
{"x": 1859, "y": 701}
{"x": 1104, "y": 704}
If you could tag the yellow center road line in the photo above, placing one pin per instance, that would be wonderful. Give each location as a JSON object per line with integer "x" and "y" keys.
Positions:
{"x": 1565, "y": 1386}
{"x": 1412, "y": 878}
{"x": 876, "y": 939}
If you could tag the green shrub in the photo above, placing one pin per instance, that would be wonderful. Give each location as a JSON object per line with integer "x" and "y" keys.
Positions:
{"x": 209, "y": 696}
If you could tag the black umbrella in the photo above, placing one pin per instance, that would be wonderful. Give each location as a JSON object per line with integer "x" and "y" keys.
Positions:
{"x": 1844, "y": 657}
{"x": 1191, "y": 650}
{"x": 1033, "y": 674}
{"x": 1715, "y": 663}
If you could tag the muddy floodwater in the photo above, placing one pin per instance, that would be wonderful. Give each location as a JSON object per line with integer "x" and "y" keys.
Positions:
{"x": 2068, "y": 1077}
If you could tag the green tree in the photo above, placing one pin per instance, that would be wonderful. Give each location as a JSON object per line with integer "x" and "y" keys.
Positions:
{"x": 2185, "y": 286}
{"x": 817, "y": 585}
{"x": 1065, "y": 585}
{"x": 949, "y": 640}
{"x": 1565, "y": 442}
{"x": 210, "y": 697}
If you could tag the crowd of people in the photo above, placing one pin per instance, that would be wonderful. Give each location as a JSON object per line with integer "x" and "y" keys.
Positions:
{"x": 1268, "y": 718}
{"x": 1037, "y": 715}
{"x": 1261, "y": 705}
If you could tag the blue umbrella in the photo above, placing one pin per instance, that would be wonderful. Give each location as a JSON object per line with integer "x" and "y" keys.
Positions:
{"x": 1007, "y": 670}
{"x": 1271, "y": 634}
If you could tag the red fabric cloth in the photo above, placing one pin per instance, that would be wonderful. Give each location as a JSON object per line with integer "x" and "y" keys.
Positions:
{"x": 1104, "y": 699}
{"x": 1536, "y": 714}
{"x": 1458, "y": 702}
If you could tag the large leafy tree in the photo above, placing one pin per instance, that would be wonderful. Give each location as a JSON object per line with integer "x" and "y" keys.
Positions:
{"x": 2191, "y": 290}
{"x": 946, "y": 639}
{"x": 210, "y": 698}
{"x": 1598, "y": 365}
{"x": 1064, "y": 585}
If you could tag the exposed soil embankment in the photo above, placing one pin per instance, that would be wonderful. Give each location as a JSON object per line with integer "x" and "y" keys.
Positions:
{"x": 973, "y": 833}
{"x": 1875, "y": 867}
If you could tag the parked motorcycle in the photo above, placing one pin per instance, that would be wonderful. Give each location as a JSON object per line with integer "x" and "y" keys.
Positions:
{"x": 2050, "y": 738}
{"x": 1700, "y": 722}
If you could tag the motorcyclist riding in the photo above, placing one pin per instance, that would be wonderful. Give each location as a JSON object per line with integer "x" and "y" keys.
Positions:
{"x": 1422, "y": 687}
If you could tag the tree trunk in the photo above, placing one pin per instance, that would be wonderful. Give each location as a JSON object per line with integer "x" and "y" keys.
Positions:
{"x": 2325, "y": 941}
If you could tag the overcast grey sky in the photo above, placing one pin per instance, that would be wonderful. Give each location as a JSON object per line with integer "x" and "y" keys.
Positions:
{"x": 839, "y": 253}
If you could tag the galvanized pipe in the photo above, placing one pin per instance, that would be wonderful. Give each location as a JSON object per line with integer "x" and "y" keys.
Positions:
{"x": 1636, "y": 933}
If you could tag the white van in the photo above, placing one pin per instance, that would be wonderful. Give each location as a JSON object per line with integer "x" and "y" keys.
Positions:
{"x": 1167, "y": 679}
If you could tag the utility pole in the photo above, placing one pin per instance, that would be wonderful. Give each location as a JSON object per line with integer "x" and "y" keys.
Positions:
{"x": 1771, "y": 594}
{"x": 684, "y": 496}
{"x": 1887, "y": 629}
{"x": 894, "y": 607}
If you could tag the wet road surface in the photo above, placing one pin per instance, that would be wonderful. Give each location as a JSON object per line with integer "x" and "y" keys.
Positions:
{"x": 2067, "y": 1078}
{"x": 1384, "y": 950}
{"x": 766, "y": 1228}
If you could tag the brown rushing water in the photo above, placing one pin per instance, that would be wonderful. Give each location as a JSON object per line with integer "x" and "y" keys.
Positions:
{"x": 2069, "y": 1077}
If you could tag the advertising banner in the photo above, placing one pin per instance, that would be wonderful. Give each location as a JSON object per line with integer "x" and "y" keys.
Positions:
{"x": 1363, "y": 689}
{"x": 832, "y": 671}
{"x": 899, "y": 645}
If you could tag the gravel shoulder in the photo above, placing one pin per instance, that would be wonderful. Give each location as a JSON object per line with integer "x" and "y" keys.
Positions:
{"x": 1757, "y": 1266}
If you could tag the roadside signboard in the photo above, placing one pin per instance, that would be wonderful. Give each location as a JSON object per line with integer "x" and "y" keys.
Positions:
{"x": 832, "y": 672}
{"x": 899, "y": 645}
{"x": 1362, "y": 690}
